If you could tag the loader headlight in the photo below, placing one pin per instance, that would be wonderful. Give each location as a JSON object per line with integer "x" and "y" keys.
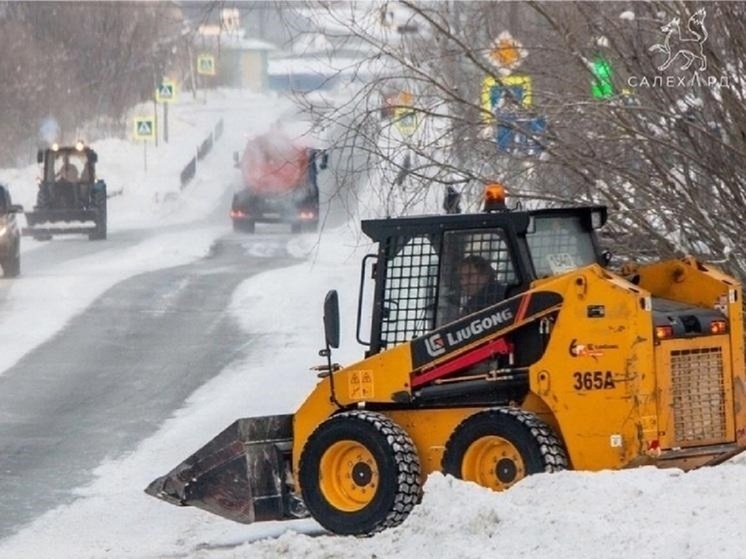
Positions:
{"x": 3, "y": 230}
{"x": 718, "y": 326}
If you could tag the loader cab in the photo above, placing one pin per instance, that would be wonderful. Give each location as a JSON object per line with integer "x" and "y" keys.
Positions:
{"x": 421, "y": 270}
{"x": 73, "y": 164}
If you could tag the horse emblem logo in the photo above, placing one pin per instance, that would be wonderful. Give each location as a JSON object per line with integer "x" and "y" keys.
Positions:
{"x": 688, "y": 47}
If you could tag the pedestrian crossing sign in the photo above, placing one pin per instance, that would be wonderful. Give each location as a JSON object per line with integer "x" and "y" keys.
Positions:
{"x": 144, "y": 128}
{"x": 165, "y": 92}
{"x": 206, "y": 64}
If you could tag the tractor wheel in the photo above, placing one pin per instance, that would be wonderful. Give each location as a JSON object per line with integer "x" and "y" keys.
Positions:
{"x": 42, "y": 197}
{"x": 359, "y": 473}
{"x": 98, "y": 201}
{"x": 499, "y": 447}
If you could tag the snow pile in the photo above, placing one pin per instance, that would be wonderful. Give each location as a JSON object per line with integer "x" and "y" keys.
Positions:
{"x": 639, "y": 513}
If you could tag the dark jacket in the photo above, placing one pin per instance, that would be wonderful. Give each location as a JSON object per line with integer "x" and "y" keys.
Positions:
{"x": 491, "y": 293}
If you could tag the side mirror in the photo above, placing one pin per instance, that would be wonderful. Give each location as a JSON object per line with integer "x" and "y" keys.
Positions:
{"x": 40, "y": 156}
{"x": 235, "y": 159}
{"x": 324, "y": 163}
{"x": 93, "y": 157}
{"x": 331, "y": 319}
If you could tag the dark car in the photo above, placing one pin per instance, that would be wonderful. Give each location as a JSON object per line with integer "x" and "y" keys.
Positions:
{"x": 10, "y": 235}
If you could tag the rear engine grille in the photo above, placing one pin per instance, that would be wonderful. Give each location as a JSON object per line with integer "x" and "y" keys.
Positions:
{"x": 698, "y": 394}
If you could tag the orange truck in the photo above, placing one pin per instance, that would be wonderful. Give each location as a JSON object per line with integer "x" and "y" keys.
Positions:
{"x": 279, "y": 178}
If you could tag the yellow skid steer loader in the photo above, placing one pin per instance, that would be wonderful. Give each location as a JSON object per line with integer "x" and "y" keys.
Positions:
{"x": 500, "y": 346}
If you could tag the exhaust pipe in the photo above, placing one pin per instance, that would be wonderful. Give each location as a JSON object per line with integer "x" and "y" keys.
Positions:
{"x": 243, "y": 474}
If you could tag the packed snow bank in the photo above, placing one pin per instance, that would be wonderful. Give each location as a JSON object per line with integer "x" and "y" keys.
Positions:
{"x": 638, "y": 513}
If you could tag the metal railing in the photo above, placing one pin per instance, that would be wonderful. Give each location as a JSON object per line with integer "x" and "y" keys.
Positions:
{"x": 189, "y": 172}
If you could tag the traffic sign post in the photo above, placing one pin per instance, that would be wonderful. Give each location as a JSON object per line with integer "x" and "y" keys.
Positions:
{"x": 601, "y": 86}
{"x": 519, "y": 136}
{"x": 145, "y": 130}
{"x": 165, "y": 93}
{"x": 405, "y": 117}
{"x": 510, "y": 91}
{"x": 506, "y": 53}
{"x": 405, "y": 120}
{"x": 206, "y": 65}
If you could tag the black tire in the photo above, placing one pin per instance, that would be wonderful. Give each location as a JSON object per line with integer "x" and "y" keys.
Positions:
{"x": 13, "y": 269}
{"x": 498, "y": 447}
{"x": 384, "y": 480}
{"x": 12, "y": 266}
{"x": 42, "y": 197}
{"x": 98, "y": 201}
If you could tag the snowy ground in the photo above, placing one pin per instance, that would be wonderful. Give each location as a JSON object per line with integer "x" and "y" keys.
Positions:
{"x": 637, "y": 513}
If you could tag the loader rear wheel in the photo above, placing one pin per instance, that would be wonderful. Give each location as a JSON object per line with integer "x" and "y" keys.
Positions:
{"x": 499, "y": 447}
{"x": 359, "y": 473}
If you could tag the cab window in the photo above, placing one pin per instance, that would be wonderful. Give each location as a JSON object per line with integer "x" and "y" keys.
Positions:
{"x": 559, "y": 244}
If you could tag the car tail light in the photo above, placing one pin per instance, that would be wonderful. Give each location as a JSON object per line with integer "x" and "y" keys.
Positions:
{"x": 662, "y": 332}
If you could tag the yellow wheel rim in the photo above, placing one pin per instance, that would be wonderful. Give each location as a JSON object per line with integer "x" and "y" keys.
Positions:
{"x": 493, "y": 462}
{"x": 348, "y": 476}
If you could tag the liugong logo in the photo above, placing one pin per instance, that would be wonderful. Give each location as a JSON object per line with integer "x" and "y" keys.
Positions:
{"x": 435, "y": 345}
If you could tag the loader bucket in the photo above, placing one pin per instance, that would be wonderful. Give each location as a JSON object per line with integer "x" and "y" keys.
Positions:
{"x": 241, "y": 474}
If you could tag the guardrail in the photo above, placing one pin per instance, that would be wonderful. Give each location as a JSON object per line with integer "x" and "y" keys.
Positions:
{"x": 189, "y": 172}
{"x": 204, "y": 147}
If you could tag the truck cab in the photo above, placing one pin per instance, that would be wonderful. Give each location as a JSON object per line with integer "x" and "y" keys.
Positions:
{"x": 279, "y": 176}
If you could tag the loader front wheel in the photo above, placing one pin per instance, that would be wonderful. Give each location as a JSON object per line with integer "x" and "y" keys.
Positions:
{"x": 359, "y": 473}
{"x": 499, "y": 447}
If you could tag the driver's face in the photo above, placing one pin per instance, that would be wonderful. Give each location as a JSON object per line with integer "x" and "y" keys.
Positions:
{"x": 471, "y": 279}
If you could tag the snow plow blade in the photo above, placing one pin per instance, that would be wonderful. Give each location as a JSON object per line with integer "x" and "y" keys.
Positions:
{"x": 60, "y": 222}
{"x": 242, "y": 474}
